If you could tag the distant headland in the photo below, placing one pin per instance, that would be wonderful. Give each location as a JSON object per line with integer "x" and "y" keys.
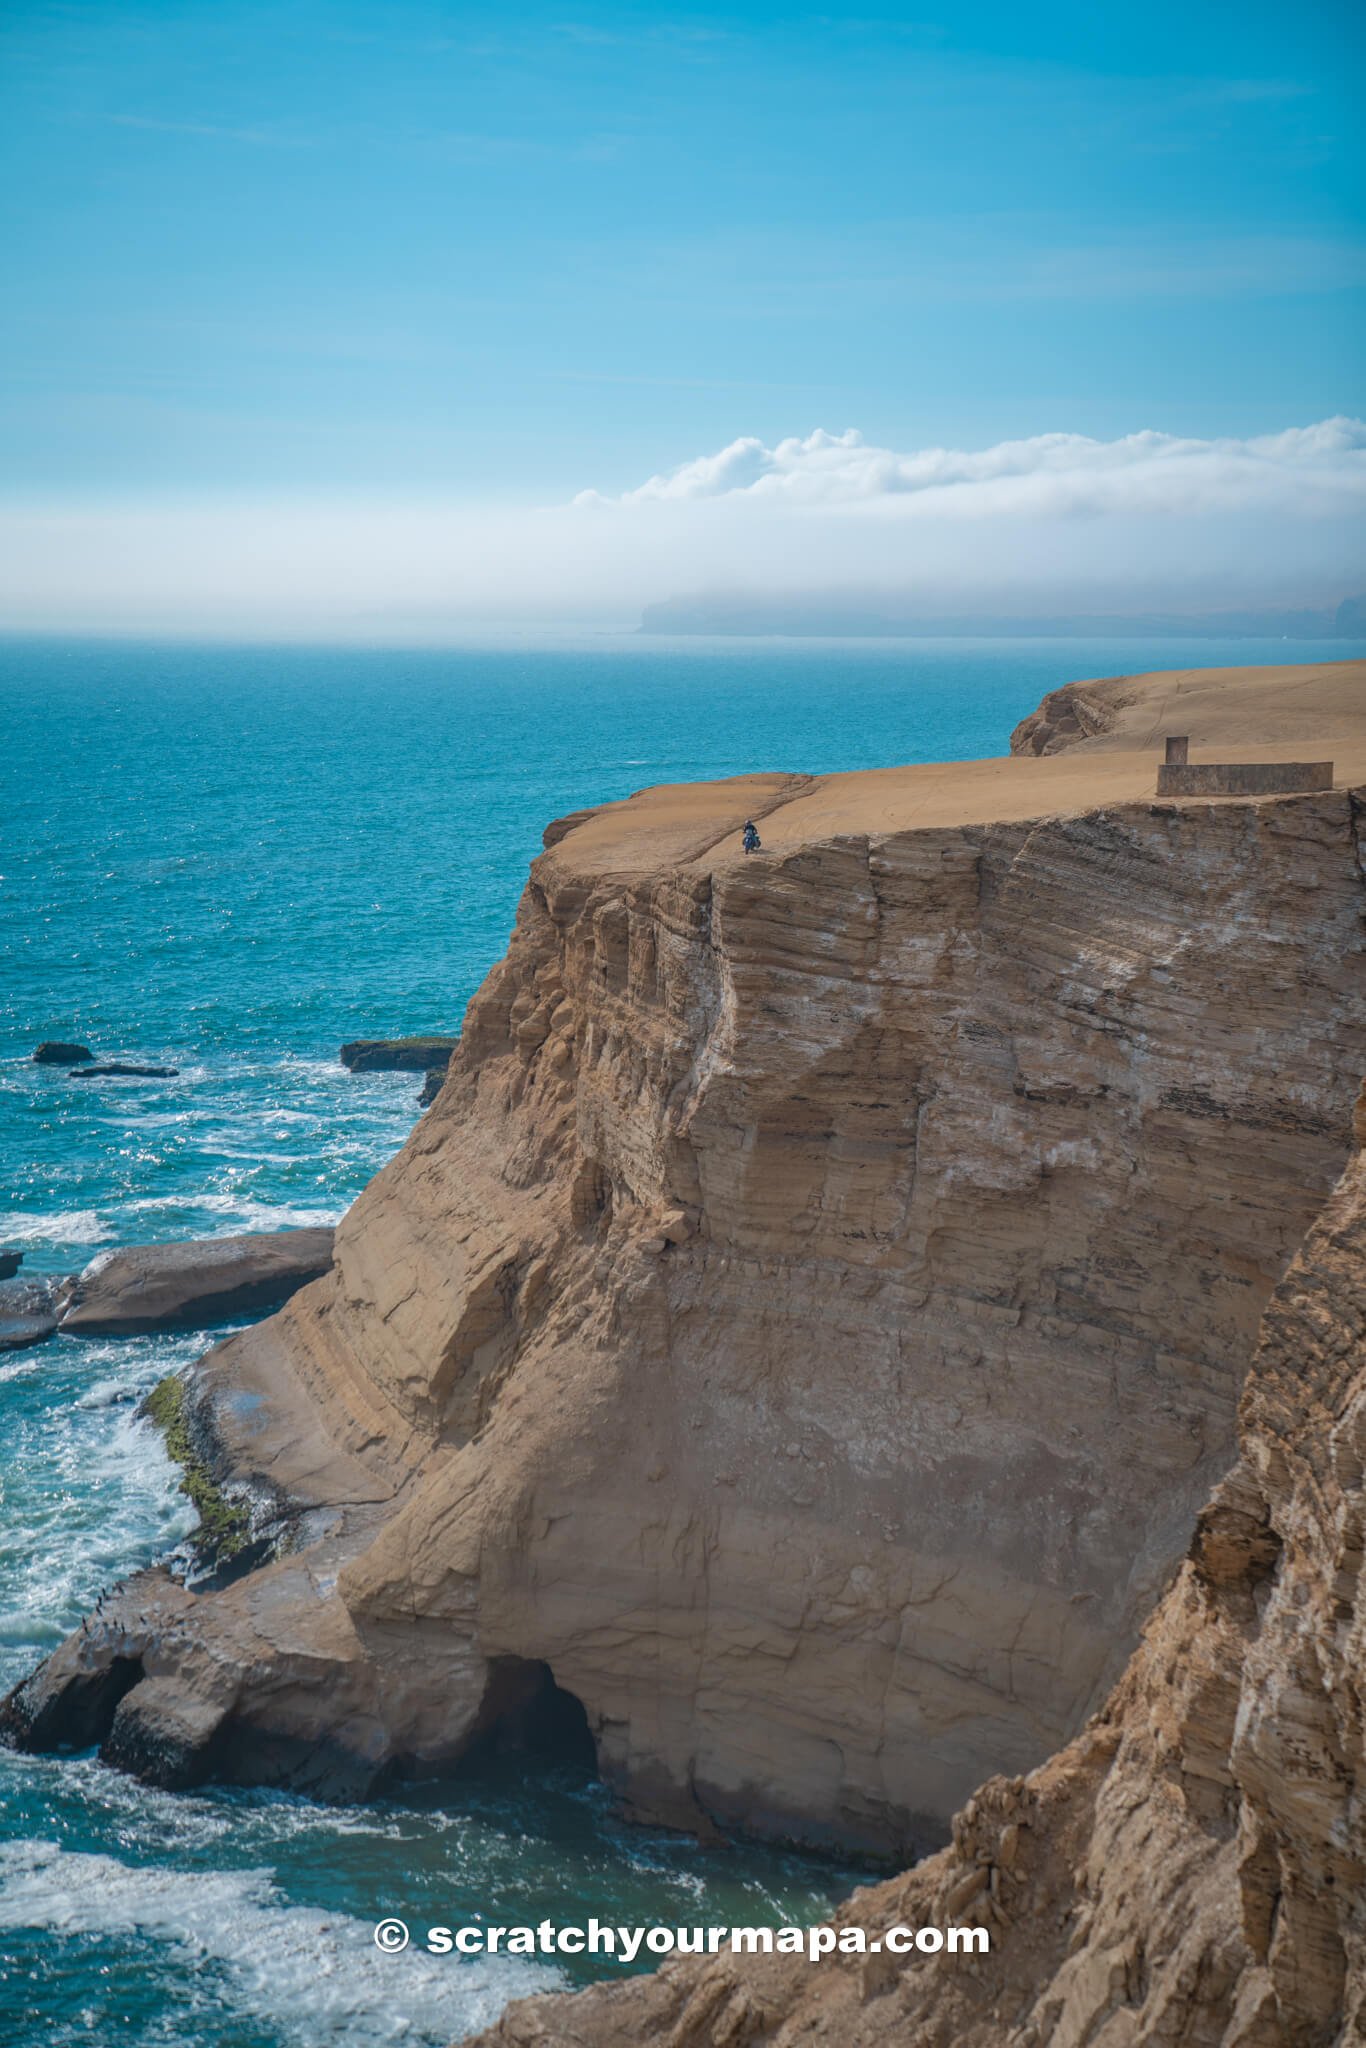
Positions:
{"x": 879, "y": 615}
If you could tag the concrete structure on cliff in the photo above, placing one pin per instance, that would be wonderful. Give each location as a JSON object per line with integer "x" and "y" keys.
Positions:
{"x": 1180, "y": 776}
{"x": 809, "y": 1318}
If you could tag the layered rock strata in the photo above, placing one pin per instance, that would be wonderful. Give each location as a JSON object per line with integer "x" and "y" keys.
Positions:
{"x": 1191, "y": 1870}
{"x": 807, "y": 1319}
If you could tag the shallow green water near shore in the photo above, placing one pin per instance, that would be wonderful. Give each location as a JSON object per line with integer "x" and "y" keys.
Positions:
{"x": 230, "y": 861}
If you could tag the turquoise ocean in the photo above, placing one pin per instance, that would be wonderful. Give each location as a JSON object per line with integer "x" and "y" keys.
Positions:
{"x": 230, "y": 860}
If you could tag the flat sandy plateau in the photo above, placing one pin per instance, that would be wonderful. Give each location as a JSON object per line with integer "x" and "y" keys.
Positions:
{"x": 1313, "y": 711}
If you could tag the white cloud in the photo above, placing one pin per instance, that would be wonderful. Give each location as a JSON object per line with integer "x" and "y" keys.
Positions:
{"x": 1059, "y": 521}
{"x": 1303, "y": 470}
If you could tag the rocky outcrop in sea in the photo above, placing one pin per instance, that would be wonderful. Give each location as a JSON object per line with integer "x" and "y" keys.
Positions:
{"x": 193, "y": 1284}
{"x": 397, "y": 1055}
{"x": 55, "y": 1052}
{"x": 186, "y": 1285}
{"x": 127, "y": 1070}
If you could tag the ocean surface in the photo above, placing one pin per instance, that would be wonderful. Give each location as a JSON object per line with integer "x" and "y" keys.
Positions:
{"x": 230, "y": 861}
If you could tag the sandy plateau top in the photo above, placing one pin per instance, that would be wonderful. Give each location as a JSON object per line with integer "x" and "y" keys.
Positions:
{"x": 1103, "y": 749}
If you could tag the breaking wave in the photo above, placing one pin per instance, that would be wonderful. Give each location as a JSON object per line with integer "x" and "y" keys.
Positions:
{"x": 218, "y": 1938}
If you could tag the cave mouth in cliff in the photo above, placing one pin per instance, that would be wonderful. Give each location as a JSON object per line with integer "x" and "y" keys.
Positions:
{"x": 527, "y": 1714}
{"x": 82, "y": 1716}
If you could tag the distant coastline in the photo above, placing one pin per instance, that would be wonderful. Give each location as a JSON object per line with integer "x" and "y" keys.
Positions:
{"x": 878, "y": 617}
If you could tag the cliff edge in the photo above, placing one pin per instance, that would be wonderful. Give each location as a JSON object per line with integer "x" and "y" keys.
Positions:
{"x": 809, "y": 1317}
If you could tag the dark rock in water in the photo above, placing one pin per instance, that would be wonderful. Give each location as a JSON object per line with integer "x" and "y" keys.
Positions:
{"x": 10, "y": 1262}
{"x": 189, "y": 1286}
{"x": 54, "y": 1054}
{"x": 431, "y": 1087}
{"x": 120, "y": 1067}
{"x": 397, "y": 1055}
{"x": 30, "y": 1310}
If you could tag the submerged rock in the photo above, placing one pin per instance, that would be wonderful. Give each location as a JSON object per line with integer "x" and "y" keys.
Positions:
{"x": 189, "y": 1286}
{"x": 397, "y": 1055}
{"x": 54, "y": 1053}
{"x": 124, "y": 1068}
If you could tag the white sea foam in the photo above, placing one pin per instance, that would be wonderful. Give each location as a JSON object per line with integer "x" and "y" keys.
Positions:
{"x": 89, "y": 1491}
{"x": 21, "y": 1366}
{"x": 299, "y": 1065}
{"x": 238, "y": 1212}
{"x": 248, "y": 1215}
{"x": 66, "y": 1226}
{"x": 107, "y": 1394}
{"x": 315, "y": 1976}
{"x": 253, "y": 1155}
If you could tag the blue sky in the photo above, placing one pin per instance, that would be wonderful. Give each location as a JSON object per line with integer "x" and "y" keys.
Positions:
{"x": 402, "y": 252}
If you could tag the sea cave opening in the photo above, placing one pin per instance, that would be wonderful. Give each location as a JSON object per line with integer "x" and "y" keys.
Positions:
{"x": 527, "y": 1715}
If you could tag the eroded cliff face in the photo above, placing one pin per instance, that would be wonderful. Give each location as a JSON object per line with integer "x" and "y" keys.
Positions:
{"x": 1191, "y": 1870}
{"x": 807, "y": 1320}
{"x": 986, "y": 1165}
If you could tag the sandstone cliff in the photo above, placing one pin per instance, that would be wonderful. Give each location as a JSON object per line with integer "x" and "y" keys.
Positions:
{"x": 1192, "y": 1868}
{"x": 808, "y": 1318}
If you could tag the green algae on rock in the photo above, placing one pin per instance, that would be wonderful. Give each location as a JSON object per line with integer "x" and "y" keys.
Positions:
{"x": 224, "y": 1526}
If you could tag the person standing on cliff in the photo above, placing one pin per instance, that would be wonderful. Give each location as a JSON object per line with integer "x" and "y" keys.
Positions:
{"x": 751, "y": 839}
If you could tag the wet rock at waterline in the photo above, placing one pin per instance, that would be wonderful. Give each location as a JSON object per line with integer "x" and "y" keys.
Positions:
{"x": 54, "y": 1052}
{"x": 10, "y": 1262}
{"x": 30, "y": 1310}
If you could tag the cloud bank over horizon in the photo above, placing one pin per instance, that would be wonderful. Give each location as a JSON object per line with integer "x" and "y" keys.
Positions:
{"x": 1302, "y": 471}
{"x": 1149, "y": 521}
